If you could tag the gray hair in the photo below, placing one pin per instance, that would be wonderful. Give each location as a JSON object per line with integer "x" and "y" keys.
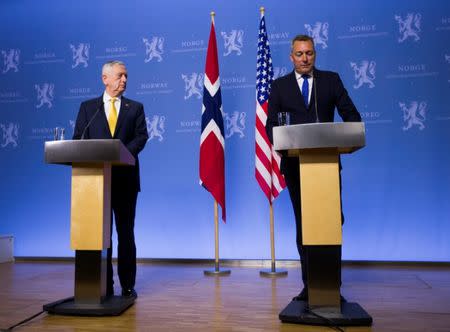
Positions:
{"x": 303, "y": 38}
{"x": 108, "y": 65}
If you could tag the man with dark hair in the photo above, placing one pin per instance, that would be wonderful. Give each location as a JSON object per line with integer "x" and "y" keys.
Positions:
{"x": 308, "y": 95}
{"x": 112, "y": 116}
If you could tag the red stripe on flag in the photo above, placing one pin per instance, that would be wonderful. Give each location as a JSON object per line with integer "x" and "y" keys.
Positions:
{"x": 262, "y": 157}
{"x": 262, "y": 183}
{"x": 212, "y": 62}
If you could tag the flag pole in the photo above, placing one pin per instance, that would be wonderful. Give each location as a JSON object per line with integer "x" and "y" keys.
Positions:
{"x": 217, "y": 271}
{"x": 272, "y": 272}
{"x": 272, "y": 240}
{"x": 216, "y": 236}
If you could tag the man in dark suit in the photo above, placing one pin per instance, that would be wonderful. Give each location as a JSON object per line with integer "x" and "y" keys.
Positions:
{"x": 308, "y": 95}
{"x": 112, "y": 116}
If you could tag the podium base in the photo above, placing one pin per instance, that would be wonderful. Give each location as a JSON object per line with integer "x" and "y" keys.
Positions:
{"x": 352, "y": 314}
{"x": 273, "y": 273}
{"x": 111, "y": 306}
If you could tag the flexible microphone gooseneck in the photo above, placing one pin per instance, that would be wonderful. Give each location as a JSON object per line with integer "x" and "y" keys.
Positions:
{"x": 99, "y": 107}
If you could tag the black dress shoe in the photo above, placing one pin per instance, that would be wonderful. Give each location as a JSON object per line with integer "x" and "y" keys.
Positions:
{"x": 302, "y": 296}
{"x": 129, "y": 293}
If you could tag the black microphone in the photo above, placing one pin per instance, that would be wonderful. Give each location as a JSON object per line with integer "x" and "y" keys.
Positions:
{"x": 315, "y": 96}
{"x": 99, "y": 107}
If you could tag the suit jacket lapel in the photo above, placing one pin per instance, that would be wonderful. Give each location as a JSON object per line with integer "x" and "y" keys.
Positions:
{"x": 297, "y": 93}
{"x": 314, "y": 89}
{"x": 124, "y": 107}
{"x": 102, "y": 117}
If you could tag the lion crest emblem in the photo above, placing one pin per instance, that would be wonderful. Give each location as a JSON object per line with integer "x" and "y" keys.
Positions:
{"x": 193, "y": 85}
{"x": 279, "y": 71}
{"x": 45, "y": 94}
{"x": 233, "y": 42}
{"x": 364, "y": 73}
{"x": 153, "y": 49}
{"x": 319, "y": 32}
{"x": 11, "y": 60}
{"x": 80, "y": 54}
{"x": 414, "y": 114}
{"x": 155, "y": 127}
{"x": 235, "y": 124}
{"x": 10, "y": 134}
{"x": 409, "y": 27}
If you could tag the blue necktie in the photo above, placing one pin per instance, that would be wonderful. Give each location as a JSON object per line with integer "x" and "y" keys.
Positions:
{"x": 305, "y": 89}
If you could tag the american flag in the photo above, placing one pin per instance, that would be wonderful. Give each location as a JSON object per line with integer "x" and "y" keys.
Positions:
{"x": 212, "y": 142}
{"x": 267, "y": 160}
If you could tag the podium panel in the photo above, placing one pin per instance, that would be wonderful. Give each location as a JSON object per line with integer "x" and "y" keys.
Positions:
{"x": 321, "y": 204}
{"x": 90, "y": 207}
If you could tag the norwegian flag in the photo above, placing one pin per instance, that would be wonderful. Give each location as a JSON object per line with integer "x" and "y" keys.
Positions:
{"x": 267, "y": 160}
{"x": 212, "y": 142}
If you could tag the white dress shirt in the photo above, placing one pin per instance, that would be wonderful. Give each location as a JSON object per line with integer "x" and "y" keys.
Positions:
{"x": 107, "y": 103}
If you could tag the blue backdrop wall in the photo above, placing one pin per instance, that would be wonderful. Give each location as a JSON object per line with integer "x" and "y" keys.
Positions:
{"x": 393, "y": 56}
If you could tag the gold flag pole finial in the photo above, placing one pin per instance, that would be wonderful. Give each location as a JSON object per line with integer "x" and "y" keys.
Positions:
{"x": 212, "y": 16}
{"x": 261, "y": 10}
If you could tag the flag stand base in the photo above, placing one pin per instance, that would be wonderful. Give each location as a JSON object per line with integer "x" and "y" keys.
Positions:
{"x": 273, "y": 273}
{"x": 273, "y": 270}
{"x": 216, "y": 272}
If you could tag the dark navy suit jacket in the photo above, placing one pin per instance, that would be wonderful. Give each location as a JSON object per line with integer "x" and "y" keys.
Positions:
{"x": 286, "y": 96}
{"x": 131, "y": 129}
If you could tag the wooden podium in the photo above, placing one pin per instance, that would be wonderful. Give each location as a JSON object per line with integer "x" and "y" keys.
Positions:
{"x": 318, "y": 146}
{"x": 90, "y": 226}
